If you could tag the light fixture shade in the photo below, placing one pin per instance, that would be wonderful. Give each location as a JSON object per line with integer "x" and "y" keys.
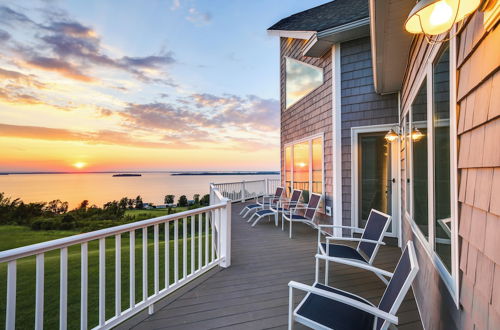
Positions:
{"x": 434, "y": 17}
{"x": 416, "y": 135}
{"x": 391, "y": 136}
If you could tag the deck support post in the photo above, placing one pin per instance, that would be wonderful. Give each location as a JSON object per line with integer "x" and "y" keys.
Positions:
{"x": 225, "y": 234}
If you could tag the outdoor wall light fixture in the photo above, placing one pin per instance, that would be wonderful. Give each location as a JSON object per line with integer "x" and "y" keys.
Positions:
{"x": 434, "y": 17}
{"x": 416, "y": 135}
{"x": 391, "y": 136}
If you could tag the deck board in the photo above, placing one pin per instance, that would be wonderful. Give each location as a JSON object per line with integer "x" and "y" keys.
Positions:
{"x": 253, "y": 292}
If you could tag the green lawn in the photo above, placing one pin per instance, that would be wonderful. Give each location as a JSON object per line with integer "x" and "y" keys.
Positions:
{"x": 14, "y": 236}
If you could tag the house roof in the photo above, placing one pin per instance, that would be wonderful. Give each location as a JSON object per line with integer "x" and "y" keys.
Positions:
{"x": 326, "y": 16}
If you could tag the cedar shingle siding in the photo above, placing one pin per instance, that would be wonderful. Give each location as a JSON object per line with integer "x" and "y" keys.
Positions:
{"x": 478, "y": 98}
{"x": 310, "y": 115}
{"x": 361, "y": 106}
{"x": 478, "y": 114}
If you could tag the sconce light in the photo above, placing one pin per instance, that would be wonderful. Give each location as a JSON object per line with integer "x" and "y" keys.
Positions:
{"x": 416, "y": 135}
{"x": 391, "y": 136}
{"x": 433, "y": 17}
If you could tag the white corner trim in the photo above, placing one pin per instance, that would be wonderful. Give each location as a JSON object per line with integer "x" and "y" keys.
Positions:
{"x": 336, "y": 140}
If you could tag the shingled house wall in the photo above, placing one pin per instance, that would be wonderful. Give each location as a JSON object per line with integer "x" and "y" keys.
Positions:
{"x": 478, "y": 113}
{"x": 310, "y": 115}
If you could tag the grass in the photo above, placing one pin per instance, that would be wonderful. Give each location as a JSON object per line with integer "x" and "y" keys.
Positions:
{"x": 14, "y": 236}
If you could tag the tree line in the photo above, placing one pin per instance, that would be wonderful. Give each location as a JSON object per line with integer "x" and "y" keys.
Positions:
{"x": 55, "y": 215}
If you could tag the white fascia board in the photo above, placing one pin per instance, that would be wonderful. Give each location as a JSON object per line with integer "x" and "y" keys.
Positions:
{"x": 305, "y": 35}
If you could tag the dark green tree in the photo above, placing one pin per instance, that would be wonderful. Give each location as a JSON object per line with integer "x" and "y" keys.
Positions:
{"x": 183, "y": 201}
{"x": 196, "y": 198}
{"x": 205, "y": 200}
{"x": 123, "y": 203}
{"x": 138, "y": 203}
{"x": 169, "y": 199}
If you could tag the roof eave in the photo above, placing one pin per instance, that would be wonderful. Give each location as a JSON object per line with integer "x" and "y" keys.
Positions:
{"x": 322, "y": 41}
{"x": 390, "y": 44}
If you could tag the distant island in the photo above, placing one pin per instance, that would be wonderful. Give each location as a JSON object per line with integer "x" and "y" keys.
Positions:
{"x": 228, "y": 173}
{"x": 127, "y": 174}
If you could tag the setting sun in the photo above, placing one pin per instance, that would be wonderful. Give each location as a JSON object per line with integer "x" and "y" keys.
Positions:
{"x": 79, "y": 165}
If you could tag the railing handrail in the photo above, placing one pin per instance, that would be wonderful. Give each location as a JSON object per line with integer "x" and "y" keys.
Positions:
{"x": 30, "y": 250}
{"x": 239, "y": 182}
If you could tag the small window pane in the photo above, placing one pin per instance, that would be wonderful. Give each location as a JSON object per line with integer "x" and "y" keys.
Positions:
{"x": 317, "y": 166}
{"x": 301, "y": 79}
{"x": 288, "y": 169}
{"x": 419, "y": 159}
{"x": 301, "y": 168}
{"x": 442, "y": 190}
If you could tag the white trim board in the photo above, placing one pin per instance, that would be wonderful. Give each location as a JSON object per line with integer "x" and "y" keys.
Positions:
{"x": 336, "y": 140}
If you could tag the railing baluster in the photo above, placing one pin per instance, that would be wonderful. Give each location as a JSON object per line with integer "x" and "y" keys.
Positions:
{"x": 10, "y": 320}
{"x": 215, "y": 215}
{"x": 167, "y": 254}
{"x": 193, "y": 224}
{"x": 63, "y": 290}
{"x": 132, "y": 268}
{"x": 156, "y": 259}
{"x": 206, "y": 236}
{"x": 102, "y": 281}
{"x": 184, "y": 248}
{"x": 118, "y": 275}
{"x": 84, "y": 286}
{"x": 40, "y": 275}
{"x": 144, "y": 263}
{"x": 176, "y": 251}
{"x": 200, "y": 237}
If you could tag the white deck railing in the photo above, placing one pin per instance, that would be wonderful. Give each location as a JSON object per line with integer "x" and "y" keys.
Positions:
{"x": 205, "y": 244}
{"x": 243, "y": 190}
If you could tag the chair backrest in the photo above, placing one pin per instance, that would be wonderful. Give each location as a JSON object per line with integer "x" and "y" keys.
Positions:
{"x": 278, "y": 194}
{"x": 294, "y": 199}
{"x": 404, "y": 274}
{"x": 374, "y": 230}
{"x": 312, "y": 206}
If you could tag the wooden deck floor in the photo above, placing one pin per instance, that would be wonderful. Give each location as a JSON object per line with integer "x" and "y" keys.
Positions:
{"x": 253, "y": 292}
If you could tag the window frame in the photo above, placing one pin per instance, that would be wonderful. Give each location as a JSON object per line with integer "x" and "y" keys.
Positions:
{"x": 308, "y": 139}
{"x": 307, "y": 64}
{"x": 451, "y": 279}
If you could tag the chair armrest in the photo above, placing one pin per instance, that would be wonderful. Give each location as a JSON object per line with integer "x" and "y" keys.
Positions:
{"x": 336, "y": 226}
{"x": 355, "y": 264}
{"x": 346, "y": 300}
{"x": 354, "y": 239}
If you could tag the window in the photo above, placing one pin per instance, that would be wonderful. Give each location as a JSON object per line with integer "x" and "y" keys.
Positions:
{"x": 418, "y": 136}
{"x": 441, "y": 145}
{"x": 429, "y": 137}
{"x": 301, "y": 79}
{"x": 304, "y": 166}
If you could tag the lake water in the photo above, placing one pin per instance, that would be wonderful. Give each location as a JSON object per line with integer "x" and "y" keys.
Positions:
{"x": 100, "y": 188}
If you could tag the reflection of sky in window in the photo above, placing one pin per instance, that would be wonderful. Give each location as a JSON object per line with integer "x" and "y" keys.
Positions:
{"x": 301, "y": 79}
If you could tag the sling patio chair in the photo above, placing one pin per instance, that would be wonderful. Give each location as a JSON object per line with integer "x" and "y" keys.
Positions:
{"x": 366, "y": 250}
{"x": 283, "y": 205}
{"x": 325, "y": 307}
{"x": 309, "y": 212}
{"x": 266, "y": 201}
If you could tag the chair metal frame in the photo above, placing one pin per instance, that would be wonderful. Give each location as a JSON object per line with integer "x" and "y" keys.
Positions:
{"x": 276, "y": 209}
{"x": 310, "y": 222}
{"x": 388, "y": 317}
{"x": 346, "y": 261}
{"x": 260, "y": 205}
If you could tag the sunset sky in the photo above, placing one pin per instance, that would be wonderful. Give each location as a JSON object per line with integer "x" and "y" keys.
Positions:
{"x": 140, "y": 85}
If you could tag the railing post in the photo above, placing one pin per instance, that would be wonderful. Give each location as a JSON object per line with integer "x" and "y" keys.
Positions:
{"x": 211, "y": 202}
{"x": 225, "y": 234}
{"x": 243, "y": 198}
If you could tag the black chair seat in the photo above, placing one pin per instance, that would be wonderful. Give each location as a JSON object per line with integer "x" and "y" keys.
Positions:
{"x": 334, "y": 314}
{"x": 343, "y": 251}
